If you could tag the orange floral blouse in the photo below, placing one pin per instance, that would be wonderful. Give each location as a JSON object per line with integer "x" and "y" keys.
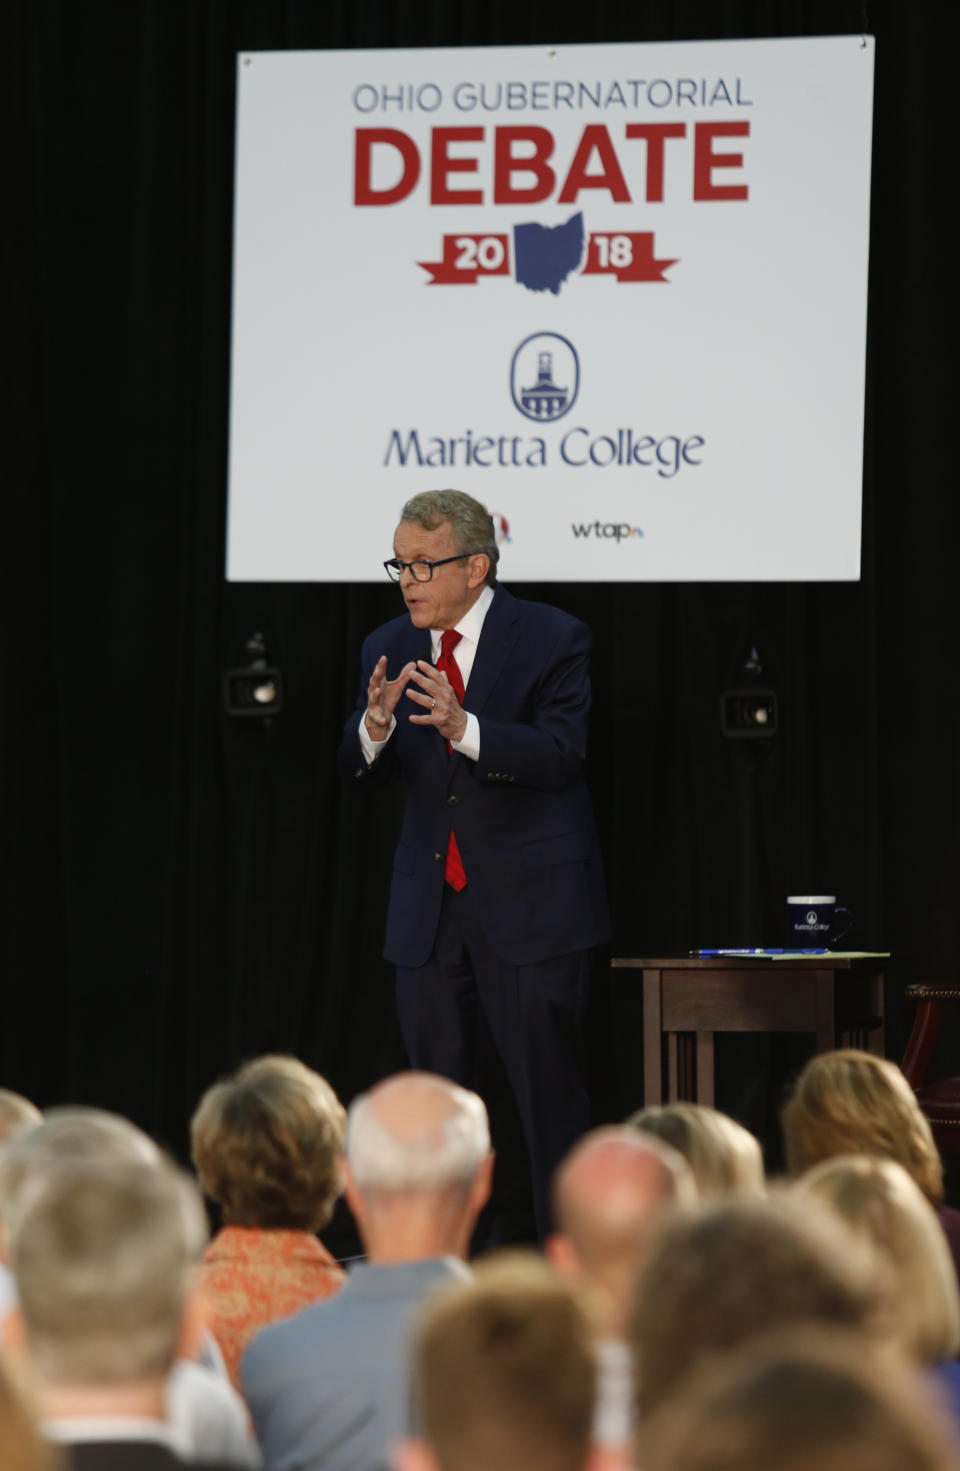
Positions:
{"x": 250, "y": 1277}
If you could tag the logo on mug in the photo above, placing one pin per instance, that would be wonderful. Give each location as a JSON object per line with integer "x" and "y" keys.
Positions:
{"x": 815, "y": 917}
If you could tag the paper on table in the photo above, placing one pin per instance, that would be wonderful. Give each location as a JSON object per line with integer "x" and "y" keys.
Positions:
{"x": 777, "y": 954}
{"x": 827, "y": 954}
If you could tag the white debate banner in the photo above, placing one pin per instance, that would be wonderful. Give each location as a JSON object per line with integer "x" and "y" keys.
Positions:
{"x": 617, "y": 293}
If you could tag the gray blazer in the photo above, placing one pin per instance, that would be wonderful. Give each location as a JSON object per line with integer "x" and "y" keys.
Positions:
{"x": 330, "y": 1387}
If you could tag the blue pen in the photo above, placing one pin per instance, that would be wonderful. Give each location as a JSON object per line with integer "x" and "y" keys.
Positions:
{"x": 763, "y": 950}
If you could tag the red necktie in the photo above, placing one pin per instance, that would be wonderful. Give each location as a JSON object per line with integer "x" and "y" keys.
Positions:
{"x": 453, "y": 873}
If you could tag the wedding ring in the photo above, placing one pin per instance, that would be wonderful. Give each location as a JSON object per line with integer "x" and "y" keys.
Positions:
{"x": 433, "y": 704}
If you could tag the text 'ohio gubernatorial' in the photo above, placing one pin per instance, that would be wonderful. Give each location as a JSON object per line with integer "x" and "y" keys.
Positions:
{"x": 581, "y": 96}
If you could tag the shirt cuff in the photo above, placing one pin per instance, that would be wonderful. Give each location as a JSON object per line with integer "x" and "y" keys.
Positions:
{"x": 470, "y": 745}
{"x": 371, "y": 749}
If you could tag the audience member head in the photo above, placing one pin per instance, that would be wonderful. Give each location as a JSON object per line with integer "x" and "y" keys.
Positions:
{"x": 607, "y": 1194}
{"x": 723, "y": 1155}
{"x": 16, "y": 1114}
{"x": 418, "y": 1166}
{"x": 267, "y": 1144}
{"x": 740, "y": 1267}
{"x": 103, "y": 1252}
{"x": 66, "y": 1136}
{"x": 850, "y": 1102}
{"x": 504, "y": 1374}
{"x": 878, "y": 1200}
{"x": 800, "y": 1404}
{"x": 22, "y": 1447}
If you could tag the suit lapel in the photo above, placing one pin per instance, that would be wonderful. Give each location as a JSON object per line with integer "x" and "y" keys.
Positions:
{"x": 415, "y": 644}
{"x": 497, "y": 638}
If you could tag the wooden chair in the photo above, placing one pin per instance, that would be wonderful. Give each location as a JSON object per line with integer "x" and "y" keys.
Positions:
{"x": 940, "y": 1100}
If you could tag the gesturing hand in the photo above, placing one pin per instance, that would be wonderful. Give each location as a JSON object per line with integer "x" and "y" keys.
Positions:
{"x": 382, "y": 697}
{"x": 439, "y": 698}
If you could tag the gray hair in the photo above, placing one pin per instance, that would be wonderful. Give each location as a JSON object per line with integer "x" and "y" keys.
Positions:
{"x": 102, "y": 1254}
{"x": 66, "y": 1136}
{"x": 445, "y": 1156}
{"x": 470, "y": 522}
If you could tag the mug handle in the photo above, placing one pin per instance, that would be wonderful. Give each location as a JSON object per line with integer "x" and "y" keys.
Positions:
{"x": 838, "y": 911}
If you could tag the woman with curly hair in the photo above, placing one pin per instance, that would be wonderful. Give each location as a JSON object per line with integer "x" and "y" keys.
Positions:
{"x": 267, "y": 1146}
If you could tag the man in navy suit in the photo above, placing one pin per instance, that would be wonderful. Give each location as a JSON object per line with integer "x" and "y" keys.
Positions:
{"x": 481, "y": 702}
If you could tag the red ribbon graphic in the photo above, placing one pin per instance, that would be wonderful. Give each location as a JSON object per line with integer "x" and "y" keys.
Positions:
{"x": 465, "y": 257}
{"x": 628, "y": 256}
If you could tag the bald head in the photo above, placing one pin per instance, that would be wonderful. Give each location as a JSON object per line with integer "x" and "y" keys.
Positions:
{"x": 610, "y": 1190}
{"x": 413, "y": 1104}
{"x": 416, "y": 1131}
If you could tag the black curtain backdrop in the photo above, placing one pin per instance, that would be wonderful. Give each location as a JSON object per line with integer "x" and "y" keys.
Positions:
{"x": 183, "y": 890}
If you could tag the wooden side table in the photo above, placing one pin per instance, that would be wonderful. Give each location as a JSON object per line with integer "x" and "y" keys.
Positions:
{"x": 687, "y": 1001}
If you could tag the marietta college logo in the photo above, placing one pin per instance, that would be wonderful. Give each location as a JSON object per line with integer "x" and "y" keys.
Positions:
{"x": 544, "y": 385}
{"x": 545, "y": 377}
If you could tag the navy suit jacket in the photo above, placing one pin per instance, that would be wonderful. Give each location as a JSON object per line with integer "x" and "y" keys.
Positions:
{"x": 522, "y": 814}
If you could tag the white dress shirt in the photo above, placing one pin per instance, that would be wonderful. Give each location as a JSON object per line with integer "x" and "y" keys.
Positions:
{"x": 469, "y": 628}
{"x": 613, "y": 1421}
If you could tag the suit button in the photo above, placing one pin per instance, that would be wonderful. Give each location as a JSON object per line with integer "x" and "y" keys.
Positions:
{"x": 452, "y": 801}
{"x": 438, "y": 856}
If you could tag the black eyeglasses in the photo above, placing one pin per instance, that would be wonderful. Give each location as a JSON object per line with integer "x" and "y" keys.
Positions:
{"x": 422, "y": 571}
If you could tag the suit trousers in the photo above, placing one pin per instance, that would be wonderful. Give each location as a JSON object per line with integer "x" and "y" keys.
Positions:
{"x": 534, "y": 1014}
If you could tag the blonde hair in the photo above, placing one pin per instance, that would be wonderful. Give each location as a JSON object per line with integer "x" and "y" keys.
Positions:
{"x": 505, "y": 1373}
{"x": 851, "y": 1102}
{"x": 103, "y": 1253}
{"x": 723, "y": 1155}
{"x": 267, "y": 1144}
{"x": 878, "y": 1200}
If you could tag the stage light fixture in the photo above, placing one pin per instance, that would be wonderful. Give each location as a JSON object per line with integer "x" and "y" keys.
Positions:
{"x": 746, "y": 714}
{"x": 256, "y": 688}
{"x": 750, "y": 711}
